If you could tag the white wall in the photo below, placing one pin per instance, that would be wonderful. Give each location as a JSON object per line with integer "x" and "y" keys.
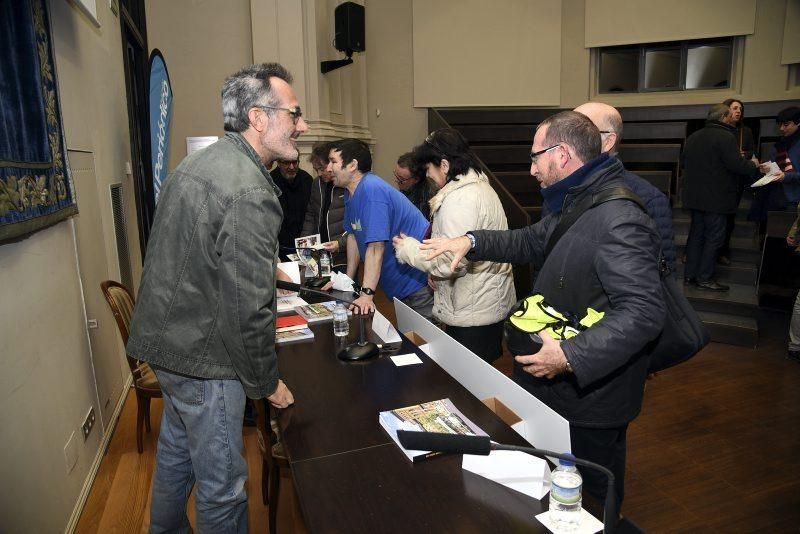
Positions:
{"x": 47, "y": 382}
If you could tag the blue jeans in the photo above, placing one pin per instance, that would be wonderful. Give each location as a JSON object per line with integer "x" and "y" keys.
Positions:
{"x": 200, "y": 442}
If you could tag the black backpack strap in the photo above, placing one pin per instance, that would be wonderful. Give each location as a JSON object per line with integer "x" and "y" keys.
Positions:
{"x": 574, "y": 212}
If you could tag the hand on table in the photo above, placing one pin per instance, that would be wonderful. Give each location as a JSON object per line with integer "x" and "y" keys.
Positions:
{"x": 548, "y": 362}
{"x": 363, "y": 305}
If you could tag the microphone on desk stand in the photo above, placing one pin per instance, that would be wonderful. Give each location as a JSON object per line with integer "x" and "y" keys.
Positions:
{"x": 359, "y": 350}
{"x": 482, "y": 445}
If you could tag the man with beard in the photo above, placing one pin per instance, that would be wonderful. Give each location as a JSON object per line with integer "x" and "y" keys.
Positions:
{"x": 205, "y": 317}
{"x": 295, "y": 186}
{"x": 608, "y": 261}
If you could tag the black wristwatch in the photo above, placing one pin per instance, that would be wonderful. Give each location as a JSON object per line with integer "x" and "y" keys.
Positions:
{"x": 367, "y": 291}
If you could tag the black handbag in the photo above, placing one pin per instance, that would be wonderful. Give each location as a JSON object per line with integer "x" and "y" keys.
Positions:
{"x": 683, "y": 334}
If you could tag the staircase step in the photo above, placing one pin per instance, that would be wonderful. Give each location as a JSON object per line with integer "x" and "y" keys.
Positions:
{"x": 743, "y": 249}
{"x": 743, "y": 228}
{"x": 736, "y": 273}
{"x": 739, "y": 300}
{"x": 731, "y": 329}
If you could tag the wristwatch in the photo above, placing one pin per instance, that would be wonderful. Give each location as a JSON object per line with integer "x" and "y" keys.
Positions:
{"x": 367, "y": 291}
{"x": 568, "y": 368}
{"x": 472, "y": 241}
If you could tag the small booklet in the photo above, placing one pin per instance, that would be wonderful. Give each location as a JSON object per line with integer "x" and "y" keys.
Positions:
{"x": 290, "y": 322}
{"x": 436, "y": 416}
{"x": 290, "y": 336}
{"x": 289, "y": 303}
{"x": 318, "y": 313}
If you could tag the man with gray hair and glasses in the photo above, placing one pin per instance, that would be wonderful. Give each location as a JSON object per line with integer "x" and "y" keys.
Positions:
{"x": 606, "y": 260}
{"x": 713, "y": 168}
{"x": 205, "y": 317}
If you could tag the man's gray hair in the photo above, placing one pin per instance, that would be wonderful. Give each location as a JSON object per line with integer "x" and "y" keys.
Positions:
{"x": 718, "y": 112}
{"x": 576, "y": 130}
{"x": 249, "y": 88}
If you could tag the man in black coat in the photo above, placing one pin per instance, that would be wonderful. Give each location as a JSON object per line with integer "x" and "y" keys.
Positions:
{"x": 608, "y": 261}
{"x": 713, "y": 169}
{"x": 295, "y": 186}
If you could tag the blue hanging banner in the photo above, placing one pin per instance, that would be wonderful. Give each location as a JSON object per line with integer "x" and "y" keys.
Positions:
{"x": 160, "y": 104}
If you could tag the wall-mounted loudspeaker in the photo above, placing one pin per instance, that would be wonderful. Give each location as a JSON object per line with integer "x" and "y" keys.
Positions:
{"x": 349, "y": 19}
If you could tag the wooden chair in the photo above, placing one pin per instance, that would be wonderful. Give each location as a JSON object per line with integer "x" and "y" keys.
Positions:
{"x": 272, "y": 460}
{"x": 121, "y": 302}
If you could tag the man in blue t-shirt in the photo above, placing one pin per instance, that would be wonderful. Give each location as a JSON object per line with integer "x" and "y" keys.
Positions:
{"x": 374, "y": 213}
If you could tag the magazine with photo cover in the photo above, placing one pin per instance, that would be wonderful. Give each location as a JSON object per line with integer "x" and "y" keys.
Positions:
{"x": 290, "y": 336}
{"x": 318, "y": 313}
{"x": 436, "y": 416}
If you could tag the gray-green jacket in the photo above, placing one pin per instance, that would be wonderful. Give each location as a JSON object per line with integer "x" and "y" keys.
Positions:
{"x": 206, "y": 305}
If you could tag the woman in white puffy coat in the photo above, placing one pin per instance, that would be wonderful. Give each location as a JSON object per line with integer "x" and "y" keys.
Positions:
{"x": 474, "y": 301}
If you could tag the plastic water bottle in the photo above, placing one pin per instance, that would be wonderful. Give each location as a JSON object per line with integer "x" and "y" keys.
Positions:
{"x": 325, "y": 263}
{"x": 341, "y": 326}
{"x": 565, "y": 496}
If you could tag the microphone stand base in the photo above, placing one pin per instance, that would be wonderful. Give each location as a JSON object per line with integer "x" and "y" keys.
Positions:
{"x": 358, "y": 351}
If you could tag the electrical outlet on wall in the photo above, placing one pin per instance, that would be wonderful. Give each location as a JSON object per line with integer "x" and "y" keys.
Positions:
{"x": 88, "y": 423}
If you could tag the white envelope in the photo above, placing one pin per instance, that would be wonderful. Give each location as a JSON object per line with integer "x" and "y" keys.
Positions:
{"x": 514, "y": 469}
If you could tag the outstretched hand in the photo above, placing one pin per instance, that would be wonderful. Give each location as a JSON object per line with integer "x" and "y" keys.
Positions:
{"x": 458, "y": 246}
{"x": 548, "y": 362}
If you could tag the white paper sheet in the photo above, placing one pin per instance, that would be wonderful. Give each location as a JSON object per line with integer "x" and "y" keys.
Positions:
{"x": 771, "y": 176}
{"x": 405, "y": 359}
{"x": 589, "y": 524}
{"x": 292, "y": 269}
{"x": 384, "y": 329}
{"x": 193, "y": 144}
{"x": 514, "y": 469}
{"x": 341, "y": 282}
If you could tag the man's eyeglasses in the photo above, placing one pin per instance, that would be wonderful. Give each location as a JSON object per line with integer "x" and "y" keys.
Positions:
{"x": 535, "y": 155}
{"x": 294, "y": 112}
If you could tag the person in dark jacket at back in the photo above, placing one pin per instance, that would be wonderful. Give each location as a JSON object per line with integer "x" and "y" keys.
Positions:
{"x": 413, "y": 184}
{"x": 609, "y": 122}
{"x": 744, "y": 140}
{"x": 325, "y": 213}
{"x": 608, "y": 261}
{"x": 295, "y": 186}
{"x": 713, "y": 167}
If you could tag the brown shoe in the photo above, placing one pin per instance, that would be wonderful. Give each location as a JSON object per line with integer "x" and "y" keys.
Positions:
{"x": 724, "y": 260}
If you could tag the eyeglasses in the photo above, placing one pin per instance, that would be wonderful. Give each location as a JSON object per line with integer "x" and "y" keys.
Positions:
{"x": 535, "y": 155}
{"x": 294, "y": 112}
{"x": 400, "y": 180}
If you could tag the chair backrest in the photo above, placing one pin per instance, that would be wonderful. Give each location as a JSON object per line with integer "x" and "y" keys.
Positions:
{"x": 121, "y": 302}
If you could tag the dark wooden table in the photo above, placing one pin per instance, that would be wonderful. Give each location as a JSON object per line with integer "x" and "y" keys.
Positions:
{"x": 348, "y": 473}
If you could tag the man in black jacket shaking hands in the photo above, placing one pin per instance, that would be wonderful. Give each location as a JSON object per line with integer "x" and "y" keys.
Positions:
{"x": 608, "y": 261}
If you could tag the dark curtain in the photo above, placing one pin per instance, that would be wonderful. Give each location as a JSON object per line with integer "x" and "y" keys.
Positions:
{"x": 35, "y": 185}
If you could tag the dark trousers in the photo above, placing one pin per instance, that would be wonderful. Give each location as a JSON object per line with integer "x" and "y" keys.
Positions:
{"x": 485, "y": 341}
{"x": 706, "y": 235}
{"x": 730, "y": 224}
{"x": 604, "y": 446}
